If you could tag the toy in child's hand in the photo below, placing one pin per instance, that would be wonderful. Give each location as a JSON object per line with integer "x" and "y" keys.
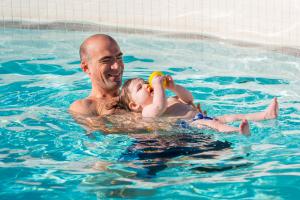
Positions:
{"x": 154, "y": 74}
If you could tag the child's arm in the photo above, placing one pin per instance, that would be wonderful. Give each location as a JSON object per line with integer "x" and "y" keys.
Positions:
{"x": 159, "y": 104}
{"x": 182, "y": 93}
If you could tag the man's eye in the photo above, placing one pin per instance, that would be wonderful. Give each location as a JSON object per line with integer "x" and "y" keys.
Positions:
{"x": 108, "y": 60}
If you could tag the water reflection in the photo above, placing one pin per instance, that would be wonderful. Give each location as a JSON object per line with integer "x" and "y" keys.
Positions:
{"x": 156, "y": 160}
{"x": 150, "y": 153}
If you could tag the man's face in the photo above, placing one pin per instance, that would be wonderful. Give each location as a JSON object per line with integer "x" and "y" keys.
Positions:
{"x": 106, "y": 65}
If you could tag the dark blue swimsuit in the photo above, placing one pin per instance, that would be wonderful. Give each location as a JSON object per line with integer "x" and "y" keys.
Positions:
{"x": 185, "y": 124}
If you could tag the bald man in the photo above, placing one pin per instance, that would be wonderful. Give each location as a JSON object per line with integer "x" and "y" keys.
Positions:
{"x": 101, "y": 59}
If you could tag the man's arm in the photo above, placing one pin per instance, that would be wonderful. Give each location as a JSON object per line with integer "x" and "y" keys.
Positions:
{"x": 85, "y": 113}
{"x": 120, "y": 123}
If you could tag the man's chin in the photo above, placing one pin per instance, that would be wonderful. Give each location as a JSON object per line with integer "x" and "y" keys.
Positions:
{"x": 117, "y": 84}
{"x": 114, "y": 86}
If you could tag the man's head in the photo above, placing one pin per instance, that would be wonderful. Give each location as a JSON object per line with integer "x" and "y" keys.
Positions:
{"x": 101, "y": 59}
{"x": 135, "y": 94}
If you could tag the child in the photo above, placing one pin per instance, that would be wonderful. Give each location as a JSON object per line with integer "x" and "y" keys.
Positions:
{"x": 136, "y": 95}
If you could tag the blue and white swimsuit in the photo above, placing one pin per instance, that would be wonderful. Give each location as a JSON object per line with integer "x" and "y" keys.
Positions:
{"x": 185, "y": 124}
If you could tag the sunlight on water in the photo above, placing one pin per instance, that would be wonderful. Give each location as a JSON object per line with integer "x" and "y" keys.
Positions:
{"x": 44, "y": 152}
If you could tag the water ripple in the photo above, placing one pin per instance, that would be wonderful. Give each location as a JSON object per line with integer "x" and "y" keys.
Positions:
{"x": 26, "y": 67}
{"x": 44, "y": 152}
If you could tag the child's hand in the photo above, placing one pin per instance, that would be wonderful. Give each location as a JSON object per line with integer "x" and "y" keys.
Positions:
{"x": 157, "y": 80}
{"x": 170, "y": 82}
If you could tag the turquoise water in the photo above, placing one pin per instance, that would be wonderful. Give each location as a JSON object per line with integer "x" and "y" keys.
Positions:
{"x": 45, "y": 154}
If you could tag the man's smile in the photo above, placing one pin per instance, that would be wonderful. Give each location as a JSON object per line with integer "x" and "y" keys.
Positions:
{"x": 114, "y": 77}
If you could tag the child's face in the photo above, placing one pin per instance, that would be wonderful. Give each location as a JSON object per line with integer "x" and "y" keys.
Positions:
{"x": 140, "y": 92}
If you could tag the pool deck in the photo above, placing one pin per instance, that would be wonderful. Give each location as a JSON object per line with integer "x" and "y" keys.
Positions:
{"x": 251, "y": 21}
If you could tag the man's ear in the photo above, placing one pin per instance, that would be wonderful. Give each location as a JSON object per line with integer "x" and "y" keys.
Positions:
{"x": 84, "y": 67}
{"x": 134, "y": 107}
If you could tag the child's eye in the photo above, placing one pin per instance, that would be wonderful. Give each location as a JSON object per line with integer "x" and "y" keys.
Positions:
{"x": 139, "y": 87}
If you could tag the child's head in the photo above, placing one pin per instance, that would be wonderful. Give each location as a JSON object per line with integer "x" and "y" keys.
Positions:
{"x": 135, "y": 94}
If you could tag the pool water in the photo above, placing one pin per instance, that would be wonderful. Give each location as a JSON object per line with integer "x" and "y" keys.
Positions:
{"x": 45, "y": 154}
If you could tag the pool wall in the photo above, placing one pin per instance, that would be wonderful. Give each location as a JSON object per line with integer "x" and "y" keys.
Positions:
{"x": 269, "y": 22}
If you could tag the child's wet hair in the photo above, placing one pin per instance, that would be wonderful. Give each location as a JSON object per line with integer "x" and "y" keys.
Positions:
{"x": 125, "y": 96}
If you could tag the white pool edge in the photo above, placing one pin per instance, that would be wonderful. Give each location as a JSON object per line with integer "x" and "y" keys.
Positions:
{"x": 270, "y": 23}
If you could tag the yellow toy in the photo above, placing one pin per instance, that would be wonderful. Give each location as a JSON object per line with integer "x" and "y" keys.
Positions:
{"x": 157, "y": 73}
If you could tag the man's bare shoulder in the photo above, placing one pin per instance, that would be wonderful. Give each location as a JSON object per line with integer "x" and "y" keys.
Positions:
{"x": 84, "y": 107}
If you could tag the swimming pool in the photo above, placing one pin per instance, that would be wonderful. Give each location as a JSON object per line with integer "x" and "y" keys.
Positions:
{"x": 44, "y": 153}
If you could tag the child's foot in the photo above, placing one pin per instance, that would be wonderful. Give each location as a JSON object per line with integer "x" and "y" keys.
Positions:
{"x": 272, "y": 111}
{"x": 244, "y": 127}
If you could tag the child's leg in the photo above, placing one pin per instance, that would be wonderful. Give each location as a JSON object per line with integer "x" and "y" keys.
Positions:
{"x": 270, "y": 113}
{"x": 215, "y": 124}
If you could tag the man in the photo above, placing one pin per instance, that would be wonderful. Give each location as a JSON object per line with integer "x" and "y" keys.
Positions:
{"x": 101, "y": 60}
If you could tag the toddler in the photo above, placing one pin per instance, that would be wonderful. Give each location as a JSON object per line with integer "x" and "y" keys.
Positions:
{"x": 138, "y": 96}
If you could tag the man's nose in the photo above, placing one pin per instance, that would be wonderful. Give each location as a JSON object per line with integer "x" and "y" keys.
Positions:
{"x": 116, "y": 65}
